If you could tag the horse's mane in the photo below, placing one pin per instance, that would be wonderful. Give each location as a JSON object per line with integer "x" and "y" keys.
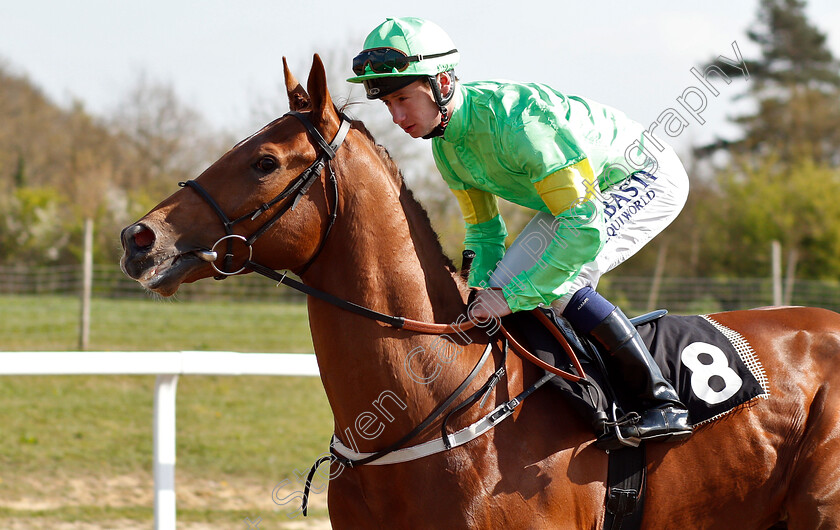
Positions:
{"x": 411, "y": 205}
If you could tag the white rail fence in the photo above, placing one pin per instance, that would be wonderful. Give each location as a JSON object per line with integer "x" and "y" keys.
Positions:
{"x": 167, "y": 366}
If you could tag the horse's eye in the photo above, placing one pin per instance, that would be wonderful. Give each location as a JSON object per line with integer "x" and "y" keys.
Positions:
{"x": 266, "y": 164}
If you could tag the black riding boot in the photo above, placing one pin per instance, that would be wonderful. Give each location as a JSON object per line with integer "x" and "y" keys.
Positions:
{"x": 665, "y": 418}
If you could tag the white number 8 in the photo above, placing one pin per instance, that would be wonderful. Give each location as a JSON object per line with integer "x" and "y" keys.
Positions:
{"x": 701, "y": 374}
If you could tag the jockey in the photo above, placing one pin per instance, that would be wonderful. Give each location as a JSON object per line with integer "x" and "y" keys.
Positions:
{"x": 601, "y": 187}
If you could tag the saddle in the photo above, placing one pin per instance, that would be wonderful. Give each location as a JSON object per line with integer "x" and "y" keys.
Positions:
{"x": 595, "y": 399}
{"x": 713, "y": 368}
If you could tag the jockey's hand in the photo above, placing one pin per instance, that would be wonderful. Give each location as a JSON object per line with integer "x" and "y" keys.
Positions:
{"x": 489, "y": 303}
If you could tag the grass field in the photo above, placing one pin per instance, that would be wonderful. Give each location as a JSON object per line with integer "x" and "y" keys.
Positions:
{"x": 52, "y": 323}
{"x": 78, "y": 449}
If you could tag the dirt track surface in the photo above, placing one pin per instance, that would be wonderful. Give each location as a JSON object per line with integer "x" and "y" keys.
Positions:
{"x": 128, "y": 491}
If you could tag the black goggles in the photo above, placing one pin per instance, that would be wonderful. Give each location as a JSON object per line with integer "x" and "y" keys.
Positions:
{"x": 386, "y": 60}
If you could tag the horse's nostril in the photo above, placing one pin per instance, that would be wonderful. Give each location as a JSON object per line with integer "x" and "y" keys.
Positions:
{"x": 138, "y": 236}
{"x": 144, "y": 238}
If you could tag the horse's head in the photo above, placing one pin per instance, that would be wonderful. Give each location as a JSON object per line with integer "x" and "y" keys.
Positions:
{"x": 180, "y": 240}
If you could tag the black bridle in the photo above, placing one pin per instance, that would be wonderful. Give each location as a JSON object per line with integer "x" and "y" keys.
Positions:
{"x": 296, "y": 189}
{"x": 293, "y": 193}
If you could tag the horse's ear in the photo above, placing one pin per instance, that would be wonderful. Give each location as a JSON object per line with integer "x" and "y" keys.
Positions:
{"x": 323, "y": 111}
{"x": 298, "y": 98}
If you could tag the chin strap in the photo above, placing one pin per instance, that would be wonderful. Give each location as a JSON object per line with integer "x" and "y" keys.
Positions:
{"x": 441, "y": 102}
{"x": 441, "y": 128}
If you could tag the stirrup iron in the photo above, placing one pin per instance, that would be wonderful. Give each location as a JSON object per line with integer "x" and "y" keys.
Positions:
{"x": 616, "y": 423}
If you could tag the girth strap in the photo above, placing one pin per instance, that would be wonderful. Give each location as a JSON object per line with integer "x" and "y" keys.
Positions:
{"x": 625, "y": 488}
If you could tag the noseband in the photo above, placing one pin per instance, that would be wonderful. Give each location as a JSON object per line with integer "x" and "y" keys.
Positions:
{"x": 296, "y": 189}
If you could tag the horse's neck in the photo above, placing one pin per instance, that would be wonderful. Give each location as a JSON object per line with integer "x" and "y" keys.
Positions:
{"x": 382, "y": 254}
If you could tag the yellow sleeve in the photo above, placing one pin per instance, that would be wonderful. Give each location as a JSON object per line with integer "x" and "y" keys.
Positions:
{"x": 571, "y": 186}
{"x": 477, "y": 206}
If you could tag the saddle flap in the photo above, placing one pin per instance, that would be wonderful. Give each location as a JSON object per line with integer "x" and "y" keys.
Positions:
{"x": 592, "y": 398}
{"x": 587, "y": 398}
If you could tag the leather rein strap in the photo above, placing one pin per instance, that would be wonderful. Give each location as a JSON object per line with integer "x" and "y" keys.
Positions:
{"x": 294, "y": 191}
{"x": 525, "y": 354}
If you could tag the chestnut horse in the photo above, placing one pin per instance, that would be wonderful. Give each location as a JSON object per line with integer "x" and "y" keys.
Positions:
{"x": 368, "y": 241}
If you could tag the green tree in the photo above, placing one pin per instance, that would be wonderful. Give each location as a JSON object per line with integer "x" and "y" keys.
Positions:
{"x": 758, "y": 203}
{"x": 795, "y": 85}
{"x": 30, "y": 229}
{"x": 59, "y": 166}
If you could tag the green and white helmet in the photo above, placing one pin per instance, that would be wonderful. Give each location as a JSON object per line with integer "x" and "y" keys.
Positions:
{"x": 401, "y": 50}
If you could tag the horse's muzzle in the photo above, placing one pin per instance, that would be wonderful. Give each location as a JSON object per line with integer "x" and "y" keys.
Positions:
{"x": 137, "y": 240}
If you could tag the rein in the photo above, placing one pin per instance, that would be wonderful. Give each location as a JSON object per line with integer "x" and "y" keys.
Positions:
{"x": 293, "y": 192}
{"x": 296, "y": 189}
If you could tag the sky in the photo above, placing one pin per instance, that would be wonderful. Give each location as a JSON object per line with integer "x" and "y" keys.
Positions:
{"x": 224, "y": 58}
